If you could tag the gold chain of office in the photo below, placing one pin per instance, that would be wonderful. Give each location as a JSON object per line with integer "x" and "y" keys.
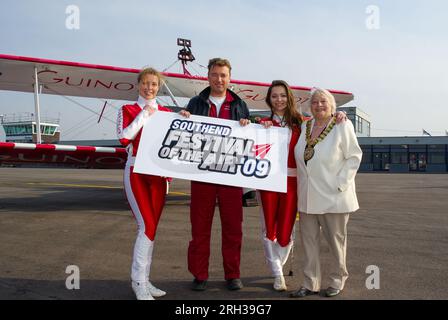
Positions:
{"x": 309, "y": 150}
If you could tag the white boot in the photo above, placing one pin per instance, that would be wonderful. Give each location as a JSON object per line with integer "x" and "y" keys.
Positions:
{"x": 141, "y": 290}
{"x": 271, "y": 256}
{"x": 155, "y": 292}
{"x": 141, "y": 261}
{"x": 279, "y": 283}
{"x": 282, "y": 253}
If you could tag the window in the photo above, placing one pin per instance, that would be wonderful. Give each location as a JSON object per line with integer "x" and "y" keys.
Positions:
{"x": 437, "y": 158}
{"x": 399, "y": 154}
{"x": 359, "y": 124}
{"x": 436, "y": 148}
{"x": 21, "y": 129}
{"x": 366, "y": 157}
{"x": 399, "y": 158}
{"x": 436, "y": 154}
{"x": 417, "y": 148}
{"x": 17, "y": 130}
{"x": 352, "y": 119}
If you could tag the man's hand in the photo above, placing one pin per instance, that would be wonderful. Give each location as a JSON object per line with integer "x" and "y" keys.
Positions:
{"x": 244, "y": 122}
{"x": 185, "y": 113}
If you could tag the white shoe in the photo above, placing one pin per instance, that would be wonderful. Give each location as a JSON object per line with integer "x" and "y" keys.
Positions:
{"x": 155, "y": 292}
{"x": 141, "y": 290}
{"x": 279, "y": 283}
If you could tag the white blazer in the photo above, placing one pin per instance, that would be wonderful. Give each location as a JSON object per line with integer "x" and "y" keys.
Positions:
{"x": 327, "y": 183}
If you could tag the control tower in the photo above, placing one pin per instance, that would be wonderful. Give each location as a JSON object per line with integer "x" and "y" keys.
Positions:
{"x": 21, "y": 128}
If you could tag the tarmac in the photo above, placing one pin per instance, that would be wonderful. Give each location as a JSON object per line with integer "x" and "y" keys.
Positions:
{"x": 51, "y": 219}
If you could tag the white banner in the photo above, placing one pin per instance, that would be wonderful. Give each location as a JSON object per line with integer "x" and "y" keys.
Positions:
{"x": 214, "y": 150}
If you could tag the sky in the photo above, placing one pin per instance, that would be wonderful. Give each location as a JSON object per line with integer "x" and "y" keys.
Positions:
{"x": 390, "y": 54}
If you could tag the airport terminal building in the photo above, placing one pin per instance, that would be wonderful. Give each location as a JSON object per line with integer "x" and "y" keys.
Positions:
{"x": 398, "y": 154}
{"x": 404, "y": 154}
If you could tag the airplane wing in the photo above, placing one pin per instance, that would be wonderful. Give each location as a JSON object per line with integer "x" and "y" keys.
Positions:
{"x": 67, "y": 78}
{"x": 253, "y": 93}
{"x": 107, "y": 82}
{"x": 62, "y": 155}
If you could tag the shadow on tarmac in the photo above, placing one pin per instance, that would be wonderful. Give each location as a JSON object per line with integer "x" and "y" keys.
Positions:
{"x": 259, "y": 288}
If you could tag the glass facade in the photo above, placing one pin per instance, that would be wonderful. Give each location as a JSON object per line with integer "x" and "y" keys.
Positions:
{"x": 399, "y": 154}
{"x": 437, "y": 154}
{"x": 17, "y": 130}
{"x": 361, "y": 125}
{"x": 381, "y": 157}
{"x": 45, "y": 129}
{"x": 366, "y": 154}
{"x": 405, "y": 157}
{"x": 25, "y": 129}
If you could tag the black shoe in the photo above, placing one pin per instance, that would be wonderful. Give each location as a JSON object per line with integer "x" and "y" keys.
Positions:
{"x": 332, "y": 292}
{"x": 250, "y": 199}
{"x": 234, "y": 284}
{"x": 302, "y": 292}
{"x": 199, "y": 285}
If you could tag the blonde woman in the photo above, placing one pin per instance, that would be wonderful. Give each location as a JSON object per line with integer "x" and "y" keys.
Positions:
{"x": 145, "y": 193}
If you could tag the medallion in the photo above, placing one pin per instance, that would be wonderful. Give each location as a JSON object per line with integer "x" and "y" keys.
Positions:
{"x": 309, "y": 150}
{"x": 309, "y": 153}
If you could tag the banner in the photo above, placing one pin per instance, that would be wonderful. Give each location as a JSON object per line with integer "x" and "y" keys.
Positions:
{"x": 214, "y": 150}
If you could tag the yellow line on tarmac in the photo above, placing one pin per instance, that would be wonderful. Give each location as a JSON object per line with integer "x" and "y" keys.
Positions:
{"x": 73, "y": 185}
{"x": 174, "y": 193}
{"x": 93, "y": 186}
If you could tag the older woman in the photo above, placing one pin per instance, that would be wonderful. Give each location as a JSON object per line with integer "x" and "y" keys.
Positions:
{"x": 279, "y": 210}
{"x": 328, "y": 157}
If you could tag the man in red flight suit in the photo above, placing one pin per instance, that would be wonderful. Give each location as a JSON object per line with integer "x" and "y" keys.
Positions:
{"x": 219, "y": 102}
{"x": 145, "y": 193}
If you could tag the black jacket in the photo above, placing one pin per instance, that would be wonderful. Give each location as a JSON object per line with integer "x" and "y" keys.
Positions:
{"x": 199, "y": 105}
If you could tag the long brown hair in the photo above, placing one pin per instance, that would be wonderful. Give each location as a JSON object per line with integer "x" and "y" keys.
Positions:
{"x": 292, "y": 116}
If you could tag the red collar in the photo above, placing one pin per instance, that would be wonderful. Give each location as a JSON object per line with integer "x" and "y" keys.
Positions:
{"x": 229, "y": 97}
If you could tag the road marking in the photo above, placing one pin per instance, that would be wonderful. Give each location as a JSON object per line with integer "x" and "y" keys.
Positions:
{"x": 174, "y": 193}
{"x": 72, "y": 185}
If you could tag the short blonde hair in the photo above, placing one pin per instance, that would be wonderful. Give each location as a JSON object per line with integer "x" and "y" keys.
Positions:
{"x": 326, "y": 94}
{"x": 152, "y": 71}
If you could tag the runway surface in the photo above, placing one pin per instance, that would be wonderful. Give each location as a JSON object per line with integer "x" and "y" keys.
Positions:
{"x": 54, "y": 218}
